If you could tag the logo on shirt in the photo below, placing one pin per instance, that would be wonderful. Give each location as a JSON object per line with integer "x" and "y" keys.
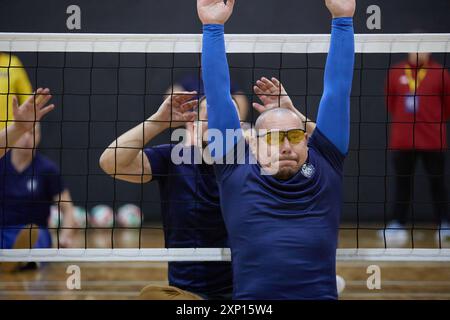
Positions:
{"x": 32, "y": 184}
{"x": 308, "y": 170}
{"x": 403, "y": 79}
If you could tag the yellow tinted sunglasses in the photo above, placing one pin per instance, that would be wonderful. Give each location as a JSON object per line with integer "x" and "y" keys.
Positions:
{"x": 276, "y": 137}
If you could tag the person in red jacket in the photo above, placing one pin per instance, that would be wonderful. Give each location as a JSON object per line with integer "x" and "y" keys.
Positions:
{"x": 418, "y": 101}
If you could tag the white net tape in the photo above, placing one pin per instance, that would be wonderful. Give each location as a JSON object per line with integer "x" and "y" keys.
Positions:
{"x": 205, "y": 254}
{"x": 235, "y": 43}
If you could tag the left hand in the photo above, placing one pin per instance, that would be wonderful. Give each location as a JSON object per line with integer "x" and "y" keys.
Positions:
{"x": 341, "y": 8}
{"x": 214, "y": 11}
{"x": 32, "y": 110}
{"x": 272, "y": 94}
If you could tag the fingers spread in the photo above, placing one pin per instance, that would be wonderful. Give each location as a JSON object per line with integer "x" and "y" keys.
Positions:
{"x": 182, "y": 97}
{"x": 188, "y": 105}
{"x": 44, "y": 111}
{"x": 258, "y": 107}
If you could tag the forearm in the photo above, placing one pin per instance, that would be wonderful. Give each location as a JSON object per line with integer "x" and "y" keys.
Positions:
{"x": 333, "y": 118}
{"x": 64, "y": 202}
{"x": 126, "y": 148}
{"x": 8, "y": 137}
{"x": 222, "y": 114}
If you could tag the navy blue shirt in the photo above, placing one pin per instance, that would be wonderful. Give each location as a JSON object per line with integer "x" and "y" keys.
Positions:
{"x": 191, "y": 219}
{"x": 26, "y": 196}
{"x": 283, "y": 234}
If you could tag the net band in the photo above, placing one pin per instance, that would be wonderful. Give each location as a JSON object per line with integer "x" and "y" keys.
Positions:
{"x": 209, "y": 254}
{"x": 236, "y": 43}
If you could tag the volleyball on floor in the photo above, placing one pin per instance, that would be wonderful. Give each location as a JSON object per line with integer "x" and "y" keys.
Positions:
{"x": 129, "y": 215}
{"x": 101, "y": 216}
{"x": 56, "y": 218}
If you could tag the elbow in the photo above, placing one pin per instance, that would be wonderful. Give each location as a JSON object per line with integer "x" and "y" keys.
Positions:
{"x": 107, "y": 163}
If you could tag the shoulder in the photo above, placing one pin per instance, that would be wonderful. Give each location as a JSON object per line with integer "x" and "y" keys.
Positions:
{"x": 5, "y": 159}
{"x": 398, "y": 68}
{"x": 9, "y": 60}
{"x": 45, "y": 164}
{"x": 435, "y": 65}
{"x": 327, "y": 150}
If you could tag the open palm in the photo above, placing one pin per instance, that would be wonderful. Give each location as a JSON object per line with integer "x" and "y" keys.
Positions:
{"x": 214, "y": 11}
{"x": 178, "y": 108}
{"x": 272, "y": 94}
{"x": 32, "y": 110}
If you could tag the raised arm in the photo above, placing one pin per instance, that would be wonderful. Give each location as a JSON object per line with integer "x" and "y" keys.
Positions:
{"x": 25, "y": 117}
{"x": 124, "y": 159}
{"x": 222, "y": 114}
{"x": 333, "y": 118}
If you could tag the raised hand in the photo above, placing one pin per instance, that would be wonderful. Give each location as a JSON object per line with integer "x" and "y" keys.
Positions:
{"x": 177, "y": 109}
{"x": 214, "y": 11}
{"x": 32, "y": 110}
{"x": 341, "y": 8}
{"x": 272, "y": 94}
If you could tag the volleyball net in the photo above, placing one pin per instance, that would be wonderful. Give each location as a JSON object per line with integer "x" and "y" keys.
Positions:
{"x": 105, "y": 84}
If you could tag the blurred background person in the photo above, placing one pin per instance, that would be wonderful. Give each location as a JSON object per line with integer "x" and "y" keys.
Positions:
{"x": 418, "y": 101}
{"x": 31, "y": 183}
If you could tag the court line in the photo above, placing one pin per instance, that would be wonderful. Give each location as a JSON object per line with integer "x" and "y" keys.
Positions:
{"x": 69, "y": 293}
{"x": 403, "y": 295}
{"x": 83, "y": 282}
{"x": 404, "y": 282}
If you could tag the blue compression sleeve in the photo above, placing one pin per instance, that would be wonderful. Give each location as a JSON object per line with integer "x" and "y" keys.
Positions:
{"x": 333, "y": 119}
{"x": 222, "y": 114}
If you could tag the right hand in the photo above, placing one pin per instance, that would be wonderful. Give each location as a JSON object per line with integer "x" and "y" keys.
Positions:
{"x": 32, "y": 110}
{"x": 214, "y": 11}
{"x": 341, "y": 8}
{"x": 272, "y": 94}
{"x": 176, "y": 110}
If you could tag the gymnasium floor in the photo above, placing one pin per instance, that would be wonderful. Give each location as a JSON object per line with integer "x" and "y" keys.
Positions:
{"x": 124, "y": 280}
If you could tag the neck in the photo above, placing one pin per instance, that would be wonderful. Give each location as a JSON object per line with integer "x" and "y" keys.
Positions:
{"x": 418, "y": 64}
{"x": 22, "y": 158}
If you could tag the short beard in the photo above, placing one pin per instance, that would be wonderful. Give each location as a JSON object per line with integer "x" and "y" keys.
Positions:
{"x": 286, "y": 173}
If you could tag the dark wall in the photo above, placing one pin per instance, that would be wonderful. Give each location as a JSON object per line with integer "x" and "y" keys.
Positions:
{"x": 101, "y": 95}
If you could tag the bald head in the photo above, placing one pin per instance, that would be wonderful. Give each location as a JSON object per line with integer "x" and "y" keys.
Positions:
{"x": 278, "y": 118}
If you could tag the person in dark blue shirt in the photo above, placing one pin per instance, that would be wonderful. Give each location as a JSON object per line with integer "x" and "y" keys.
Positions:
{"x": 29, "y": 184}
{"x": 189, "y": 194}
{"x": 282, "y": 206}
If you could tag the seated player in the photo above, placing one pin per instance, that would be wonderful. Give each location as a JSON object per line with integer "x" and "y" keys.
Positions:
{"x": 31, "y": 183}
{"x": 189, "y": 196}
{"x": 273, "y": 95}
{"x": 282, "y": 213}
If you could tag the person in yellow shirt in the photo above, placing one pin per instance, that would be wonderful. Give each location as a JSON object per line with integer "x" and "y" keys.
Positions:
{"x": 13, "y": 82}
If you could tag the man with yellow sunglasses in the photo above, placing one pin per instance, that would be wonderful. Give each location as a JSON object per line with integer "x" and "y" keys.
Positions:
{"x": 282, "y": 206}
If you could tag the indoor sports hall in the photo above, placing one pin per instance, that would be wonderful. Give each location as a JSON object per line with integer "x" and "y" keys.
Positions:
{"x": 100, "y": 200}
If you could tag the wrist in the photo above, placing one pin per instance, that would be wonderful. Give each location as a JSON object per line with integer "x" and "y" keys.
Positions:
{"x": 156, "y": 121}
{"x": 16, "y": 128}
{"x": 342, "y": 20}
{"x": 213, "y": 27}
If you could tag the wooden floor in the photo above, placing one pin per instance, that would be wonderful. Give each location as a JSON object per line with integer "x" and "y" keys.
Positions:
{"x": 125, "y": 280}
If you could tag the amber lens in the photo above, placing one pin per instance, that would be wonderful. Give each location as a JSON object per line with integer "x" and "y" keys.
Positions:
{"x": 295, "y": 136}
{"x": 275, "y": 137}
